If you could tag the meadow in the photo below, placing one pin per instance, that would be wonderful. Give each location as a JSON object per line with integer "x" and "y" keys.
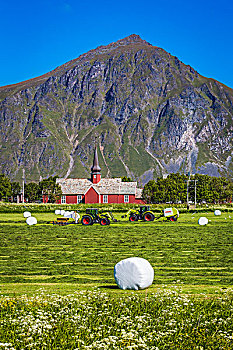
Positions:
{"x": 58, "y": 289}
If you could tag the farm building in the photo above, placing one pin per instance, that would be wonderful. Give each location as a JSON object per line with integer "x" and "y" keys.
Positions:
{"x": 98, "y": 190}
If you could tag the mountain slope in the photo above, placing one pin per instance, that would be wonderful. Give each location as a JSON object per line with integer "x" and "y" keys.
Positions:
{"x": 151, "y": 115}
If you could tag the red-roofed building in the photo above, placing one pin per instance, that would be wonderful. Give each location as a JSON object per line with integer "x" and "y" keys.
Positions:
{"x": 97, "y": 190}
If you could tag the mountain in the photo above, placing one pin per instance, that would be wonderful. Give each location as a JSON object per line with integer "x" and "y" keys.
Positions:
{"x": 149, "y": 113}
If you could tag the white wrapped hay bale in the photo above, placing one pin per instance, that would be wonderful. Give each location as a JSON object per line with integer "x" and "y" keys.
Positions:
{"x": 62, "y": 212}
{"x": 217, "y": 212}
{"x": 133, "y": 273}
{"x": 26, "y": 214}
{"x": 58, "y": 212}
{"x": 168, "y": 212}
{"x": 67, "y": 214}
{"x": 31, "y": 220}
{"x": 203, "y": 221}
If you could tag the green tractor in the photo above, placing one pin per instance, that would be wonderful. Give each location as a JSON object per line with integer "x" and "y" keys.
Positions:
{"x": 144, "y": 213}
{"x": 92, "y": 216}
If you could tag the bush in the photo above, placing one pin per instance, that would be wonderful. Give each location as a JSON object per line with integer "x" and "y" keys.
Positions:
{"x": 50, "y": 207}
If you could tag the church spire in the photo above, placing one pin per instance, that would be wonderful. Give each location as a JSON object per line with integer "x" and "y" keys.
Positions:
{"x": 95, "y": 169}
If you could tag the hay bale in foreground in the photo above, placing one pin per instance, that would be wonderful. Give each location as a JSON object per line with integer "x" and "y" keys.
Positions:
{"x": 133, "y": 273}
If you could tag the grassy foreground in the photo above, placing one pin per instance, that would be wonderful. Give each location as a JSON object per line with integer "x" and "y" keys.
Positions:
{"x": 95, "y": 320}
{"x": 80, "y": 306}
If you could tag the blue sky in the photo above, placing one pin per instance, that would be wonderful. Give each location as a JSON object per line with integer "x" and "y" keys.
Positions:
{"x": 36, "y": 37}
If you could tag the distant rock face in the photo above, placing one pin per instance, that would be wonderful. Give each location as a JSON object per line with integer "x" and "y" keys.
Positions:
{"x": 151, "y": 114}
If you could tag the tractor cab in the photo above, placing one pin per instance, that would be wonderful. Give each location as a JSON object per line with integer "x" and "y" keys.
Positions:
{"x": 143, "y": 209}
{"x": 92, "y": 211}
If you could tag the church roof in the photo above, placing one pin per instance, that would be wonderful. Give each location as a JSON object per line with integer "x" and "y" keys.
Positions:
{"x": 104, "y": 186}
{"x": 74, "y": 186}
{"x": 95, "y": 168}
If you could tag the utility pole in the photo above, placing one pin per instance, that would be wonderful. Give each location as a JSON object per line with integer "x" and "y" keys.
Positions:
{"x": 23, "y": 186}
{"x": 188, "y": 191}
{"x": 195, "y": 201}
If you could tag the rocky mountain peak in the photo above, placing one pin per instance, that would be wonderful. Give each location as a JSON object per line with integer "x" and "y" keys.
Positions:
{"x": 152, "y": 115}
{"x": 132, "y": 39}
{"x": 129, "y": 40}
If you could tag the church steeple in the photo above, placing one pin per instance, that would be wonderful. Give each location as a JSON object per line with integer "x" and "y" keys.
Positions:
{"x": 95, "y": 169}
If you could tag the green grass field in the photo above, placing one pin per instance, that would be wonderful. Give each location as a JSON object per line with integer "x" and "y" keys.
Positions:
{"x": 57, "y": 289}
{"x": 73, "y": 257}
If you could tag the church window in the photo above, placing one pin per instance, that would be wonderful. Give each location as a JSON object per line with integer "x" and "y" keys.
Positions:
{"x": 105, "y": 198}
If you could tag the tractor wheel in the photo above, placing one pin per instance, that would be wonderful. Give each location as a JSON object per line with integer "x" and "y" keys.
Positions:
{"x": 104, "y": 222}
{"x": 148, "y": 217}
{"x": 173, "y": 218}
{"x": 87, "y": 220}
{"x": 133, "y": 218}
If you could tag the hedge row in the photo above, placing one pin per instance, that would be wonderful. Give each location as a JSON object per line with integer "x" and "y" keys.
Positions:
{"x": 47, "y": 208}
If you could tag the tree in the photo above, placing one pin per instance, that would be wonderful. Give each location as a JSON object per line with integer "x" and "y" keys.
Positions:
{"x": 50, "y": 189}
{"x": 15, "y": 189}
{"x": 32, "y": 192}
{"x": 148, "y": 191}
{"x": 126, "y": 179}
{"x": 174, "y": 188}
{"x": 229, "y": 191}
{"x": 5, "y": 188}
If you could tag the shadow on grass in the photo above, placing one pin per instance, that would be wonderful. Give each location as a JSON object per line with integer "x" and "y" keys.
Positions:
{"x": 109, "y": 287}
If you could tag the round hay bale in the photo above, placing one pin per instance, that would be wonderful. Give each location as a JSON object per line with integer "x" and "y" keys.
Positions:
{"x": 203, "y": 221}
{"x": 58, "y": 212}
{"x": 217, "y": 212}
{"x": 67, "y": 214}
{"x": 26, "y": 214}
{"x": 62, "y": 212}
{"x": 31, "y": 220}
{"x": 133, "y": 273}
